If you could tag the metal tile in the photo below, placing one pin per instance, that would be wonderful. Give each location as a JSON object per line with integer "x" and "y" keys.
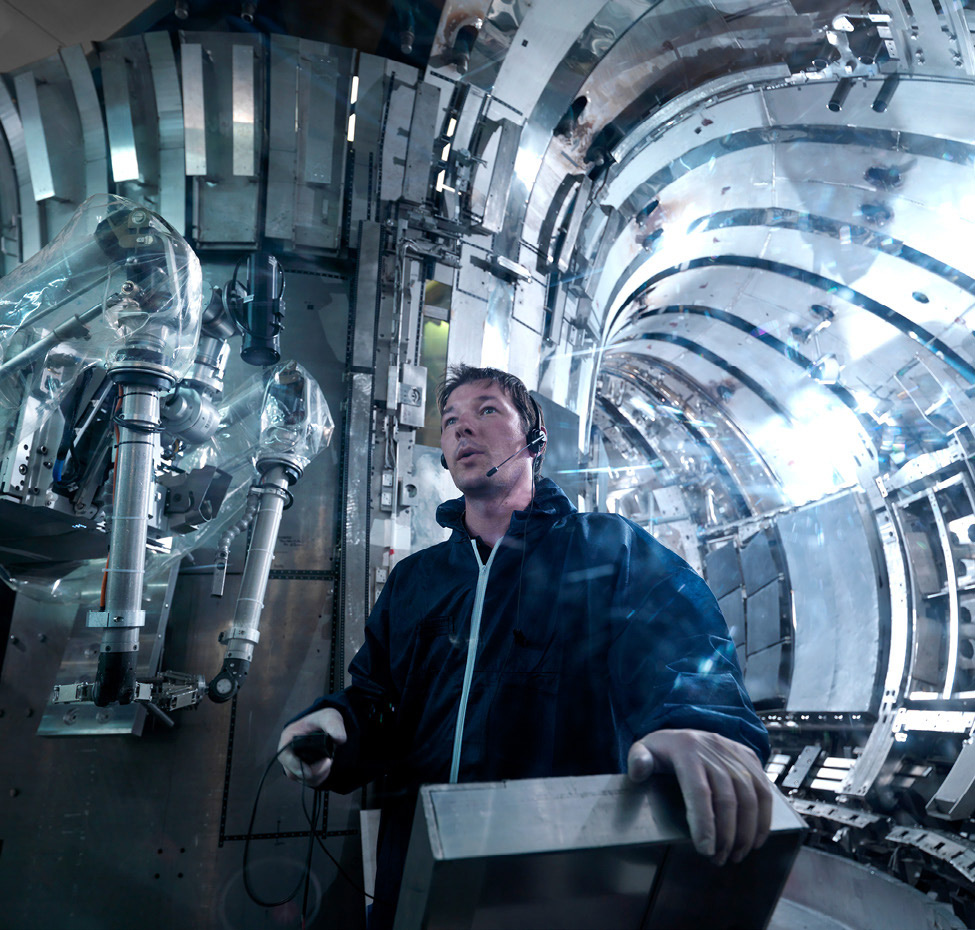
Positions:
{"x": 169, "y": 108}
{"x": 758, "y": 565}
{"x": 721, "y": 570}
{"x": 838, "y": 626}
{"x": 419, "y": 152}
{"x": 194, "y": 111}
{"x": 575, "y": 223}
{"x": 243, "y": 109}
{"x": 92, "y": 124}
{"x": 763, "y": 611}
{"x": 30, "y": 222}
{"x": 282, "y": 138}
{"x": 503, "y": 175}
{"x": 317, "y": 119}
{"x": 34, "y": 138}
{"x": 398, "y": 114}
{"x": 118, "y": 116}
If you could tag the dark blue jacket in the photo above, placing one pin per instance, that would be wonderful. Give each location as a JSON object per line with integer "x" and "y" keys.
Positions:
{"x": 592, "y": 635}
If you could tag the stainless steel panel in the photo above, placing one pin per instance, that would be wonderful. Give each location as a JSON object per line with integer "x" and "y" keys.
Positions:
{"x": 758, "y": 565}
{"x": 194, "y": 110}
{"x": 397, "y": 136}
{"x": 831, "y": 892}
{"x": 502, "y": 176}
{"x": 575, "y": 223}
{"x": 424, "y": 129}
{"x": 354, "y": 589}
{"x": 733, "y": 610}
{"x": 367, "y": 296}
{"x": 226, "y": 203}
{"x": 35, "y": 139}
{"x": 324, "y": 83}
{"x": 243, "y": 110}
{"x": 722, "y": 570}
{"x": 80, "y": 660}
{"x": 373, "y": 132}
{"x": 582, "y": 852}
{"x": 169, "y": 107}
{"x": 837, "y": 652}
{"x": 92, "y": 124}
{"x": 282, "y": 138}
{"x": 30, "y": 221}
{"x": 763, "y": 612}
{"x": 317, "y": 117}
{"x": 764, "y": 678}
{"x": 118, "y": 115}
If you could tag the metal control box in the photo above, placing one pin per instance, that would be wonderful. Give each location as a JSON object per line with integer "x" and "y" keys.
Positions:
{"x": 578, "y": 853}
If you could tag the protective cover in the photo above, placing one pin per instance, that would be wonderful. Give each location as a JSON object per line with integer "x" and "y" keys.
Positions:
{"x": 117, "y": 286}
{"x": 295, "y": 420}
{"x": 237, "y": 445}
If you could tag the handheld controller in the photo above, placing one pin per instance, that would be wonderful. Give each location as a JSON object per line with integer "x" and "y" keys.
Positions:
{"x": 313, "y": 747}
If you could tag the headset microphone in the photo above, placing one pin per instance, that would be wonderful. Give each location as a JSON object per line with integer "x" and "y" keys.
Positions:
{"x": 540, "y": 438}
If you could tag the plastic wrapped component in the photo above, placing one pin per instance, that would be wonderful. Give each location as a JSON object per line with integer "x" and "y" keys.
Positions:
{"x": 295, "y": 420}
{"x": 233, "y": 448}
{"x": 117, "y": 283}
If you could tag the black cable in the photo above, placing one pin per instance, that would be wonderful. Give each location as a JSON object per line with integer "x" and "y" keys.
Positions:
{"x": 312, "y": 818}
{"x": 247, "y": 843}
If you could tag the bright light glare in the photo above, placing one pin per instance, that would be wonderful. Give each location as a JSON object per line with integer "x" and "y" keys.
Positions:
{"x": 354, "y": 95}
{"x": 814, "y": 456}
{"x": 351, "y": 135}
{"x": 526, "y": 166}
{"x": 451, "y": 127}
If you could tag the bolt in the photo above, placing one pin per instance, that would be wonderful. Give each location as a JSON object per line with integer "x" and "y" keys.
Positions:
{"x": 22, "y": 469}
{"x": 42, "y": 637}
{"x": 14, "y": 792}
{"x": 28, "y": 711}
{"x": 14, "y": 640}
{"x": 42, "y": 450}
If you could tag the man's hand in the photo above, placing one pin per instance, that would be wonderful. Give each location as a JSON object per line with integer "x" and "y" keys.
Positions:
{"x": 727, "y": 795}
{"x": 329, "y": 720}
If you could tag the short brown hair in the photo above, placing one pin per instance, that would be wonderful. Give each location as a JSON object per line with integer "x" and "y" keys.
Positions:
{"x": 528, "y": 409}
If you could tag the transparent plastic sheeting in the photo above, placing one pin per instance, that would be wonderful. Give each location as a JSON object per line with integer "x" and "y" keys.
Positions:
{"x": 235, "y": 447}
{"x": 117, "y": 286}
{"x": 295, "y": 420}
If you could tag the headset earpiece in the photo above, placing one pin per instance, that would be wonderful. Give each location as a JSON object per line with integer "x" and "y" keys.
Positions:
{"x": 443, "y": 460}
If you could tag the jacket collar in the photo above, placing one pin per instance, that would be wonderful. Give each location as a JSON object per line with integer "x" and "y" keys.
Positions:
{"x": 550, "y": 502}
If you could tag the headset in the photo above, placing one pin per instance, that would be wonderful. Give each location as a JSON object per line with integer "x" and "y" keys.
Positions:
{"x": 536, "y": 436}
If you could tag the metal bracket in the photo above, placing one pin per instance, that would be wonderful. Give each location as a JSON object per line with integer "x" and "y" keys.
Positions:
{"x": 100, "y": 619}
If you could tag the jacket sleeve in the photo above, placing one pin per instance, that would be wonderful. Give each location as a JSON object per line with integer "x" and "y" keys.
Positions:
{"x": 368, "y": 705}
{"x": 672, "y": 661}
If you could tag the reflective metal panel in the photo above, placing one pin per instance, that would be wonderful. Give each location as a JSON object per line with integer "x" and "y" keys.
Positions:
{"x": 118, "y": 115}
{"x": 317, "y": 116}
{"x": 30, "y": 224}
{"x": 837, "y": 648}
{"x": 194, "y": 112}
{"x": 282, "y": 138}
{"x": 169, "y": 106}
{"x": 419, "y": 152}
{"x": 243, "y": 109}
{"x": 34, "y": 137}
{"x": 582, "y": 852}
{"x": 92, "y": 125}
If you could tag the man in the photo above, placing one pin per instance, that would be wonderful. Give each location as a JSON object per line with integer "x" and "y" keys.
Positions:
{"x": 538, "y": 641}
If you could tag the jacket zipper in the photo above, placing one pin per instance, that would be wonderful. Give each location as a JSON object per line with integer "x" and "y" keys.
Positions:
{"x": 482, "y": 578}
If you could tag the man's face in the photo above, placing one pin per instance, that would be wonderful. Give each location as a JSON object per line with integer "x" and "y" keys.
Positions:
{"x": 480, "y": 428}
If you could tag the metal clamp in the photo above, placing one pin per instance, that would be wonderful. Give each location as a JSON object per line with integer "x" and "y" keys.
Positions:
{"x": 100, "y": 619}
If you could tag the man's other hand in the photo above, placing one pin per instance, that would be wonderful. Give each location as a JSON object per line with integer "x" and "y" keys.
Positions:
{"x": 328, "y": 720}
{"x": 727, "y": 794}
